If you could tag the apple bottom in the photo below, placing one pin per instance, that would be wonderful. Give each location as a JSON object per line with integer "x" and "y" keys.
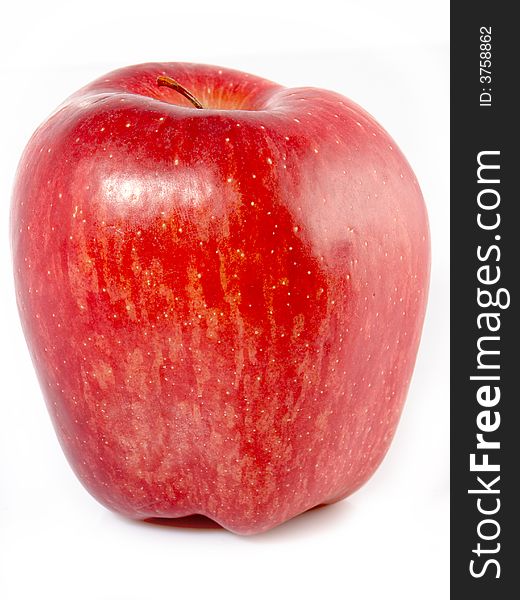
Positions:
{"x": 209, "y": 520}
{"x": 198, "y": 521}
{"x": 251, "y": 450}
{"x": 248, "y": 501}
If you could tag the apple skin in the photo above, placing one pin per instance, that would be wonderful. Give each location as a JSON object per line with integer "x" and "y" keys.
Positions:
{"x": 223, "y": 306}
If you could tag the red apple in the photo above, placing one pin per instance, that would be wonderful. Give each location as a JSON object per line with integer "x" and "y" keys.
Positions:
{"x": 223, "y": 305}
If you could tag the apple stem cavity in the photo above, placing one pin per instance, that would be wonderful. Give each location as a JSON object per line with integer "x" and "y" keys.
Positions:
{"x": 164, "y": 80}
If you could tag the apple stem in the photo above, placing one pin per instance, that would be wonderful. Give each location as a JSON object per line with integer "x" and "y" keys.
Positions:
{"x": 164, "y": 80}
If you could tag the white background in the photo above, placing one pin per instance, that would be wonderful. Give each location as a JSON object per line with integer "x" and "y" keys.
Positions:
{"x": 390, "y": 539}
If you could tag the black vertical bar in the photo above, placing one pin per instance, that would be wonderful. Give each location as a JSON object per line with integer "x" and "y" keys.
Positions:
{"x": 484, "y": 127}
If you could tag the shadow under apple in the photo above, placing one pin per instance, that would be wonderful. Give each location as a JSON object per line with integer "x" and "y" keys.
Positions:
{"x": 319, "y": 517}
